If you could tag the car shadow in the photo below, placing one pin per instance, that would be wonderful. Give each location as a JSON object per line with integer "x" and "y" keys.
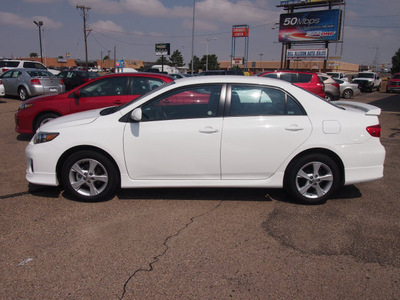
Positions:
{"x": 389, "y": 103}
{"x": 198, "y": 194}
{"x": 24, "y": 137}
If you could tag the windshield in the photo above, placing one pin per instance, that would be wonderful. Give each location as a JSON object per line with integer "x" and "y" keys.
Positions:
{"x": 365, "y": 75}
{"x": 114, "y": 109}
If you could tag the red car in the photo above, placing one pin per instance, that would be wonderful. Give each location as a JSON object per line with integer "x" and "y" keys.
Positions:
{"x": 393, "y": 85}
{"x": 108, "y": 90}
{"x": 306, "y": 80}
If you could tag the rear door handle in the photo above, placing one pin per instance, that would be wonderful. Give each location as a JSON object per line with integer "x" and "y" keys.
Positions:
{"x": 294, "y": 127}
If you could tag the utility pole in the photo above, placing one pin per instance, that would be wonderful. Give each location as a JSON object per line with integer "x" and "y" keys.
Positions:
{"x": 39, "y": 24}
{"x": 86, "y": 31}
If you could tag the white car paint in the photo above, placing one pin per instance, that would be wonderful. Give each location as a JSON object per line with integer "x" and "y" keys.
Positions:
{"x": 221, "y": 151}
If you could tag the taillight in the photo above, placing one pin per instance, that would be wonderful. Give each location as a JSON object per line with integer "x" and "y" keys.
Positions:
{"x": 375, "y": 130}
{"x": 62, "y": 81}
{"x": 4, "y": 70}
{"x": 35, "y": 81}
{"x": 336, "y": 84}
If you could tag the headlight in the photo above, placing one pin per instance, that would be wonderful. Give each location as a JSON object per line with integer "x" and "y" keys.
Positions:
{"x": 43, "y": 137}
{"x": 25, "y": 106}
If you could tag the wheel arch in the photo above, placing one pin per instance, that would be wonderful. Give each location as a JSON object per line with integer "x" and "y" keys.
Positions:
{"x": 26, "y": 87}
{"x": 324, "y": 151}
{"x": 43, "y": 113}
{"x": 70, "y": 151}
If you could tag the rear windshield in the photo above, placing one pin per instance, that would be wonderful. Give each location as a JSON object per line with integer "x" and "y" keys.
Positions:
{"x": 11, "y": 64}
{"x": 40, "y": 73}
{"x": 365, "y": 75}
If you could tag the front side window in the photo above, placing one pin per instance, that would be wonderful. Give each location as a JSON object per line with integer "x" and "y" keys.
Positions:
{"x": 262, "y": 101}
{"x": 184, "y": 103}
{"x": 112, "y": 86}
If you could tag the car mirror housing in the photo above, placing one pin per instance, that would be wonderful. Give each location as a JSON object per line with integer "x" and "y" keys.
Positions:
{"x": 76, "y": 94}
{"x": 136, "y": 114}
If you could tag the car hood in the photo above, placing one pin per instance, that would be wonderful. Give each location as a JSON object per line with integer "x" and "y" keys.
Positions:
{"x": 80, "y": 118}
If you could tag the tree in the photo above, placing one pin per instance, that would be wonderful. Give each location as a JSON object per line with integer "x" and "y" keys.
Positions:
{"x": 213, "y": 63}
{"x": 196, "y": 64}
{"x": 33, "y": 54}
{"x": 396, "y": 62}
{"x": 106, "y": 57}
{"x": 160, "y": 62}
{"x": 176, "y": 59}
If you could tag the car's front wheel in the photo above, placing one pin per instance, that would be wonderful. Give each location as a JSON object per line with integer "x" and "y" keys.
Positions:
{"x": 23, "y": 93}
{"x": 312, "y": 178}
{"x": 43, "y": 119}
{"x": 89, "y": 176}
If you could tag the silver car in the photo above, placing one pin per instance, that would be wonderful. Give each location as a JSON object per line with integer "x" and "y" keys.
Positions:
{"x": 26, "y": 83}
{"x": 348, "y": 89}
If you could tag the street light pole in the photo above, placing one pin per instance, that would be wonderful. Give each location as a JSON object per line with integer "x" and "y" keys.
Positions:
{"x": 261, "y": 55}
{"x": 194, "y": 13}
{"x": 207, "y": 51}
{"x": 39, "y": 24}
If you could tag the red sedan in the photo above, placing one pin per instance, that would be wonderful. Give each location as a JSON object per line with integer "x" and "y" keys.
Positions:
{"x": 108, "y": 90}
{"x": 306, "y": 80}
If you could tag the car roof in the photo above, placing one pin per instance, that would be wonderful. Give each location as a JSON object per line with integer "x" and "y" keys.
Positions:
{"x": 288, "y": 71}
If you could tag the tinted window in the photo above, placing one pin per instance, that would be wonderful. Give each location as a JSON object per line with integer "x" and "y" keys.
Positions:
{"x": 259, "y": 101}
{"x": 142, "y": 85}
{"x": 105, "y": 87}
{"x": 39, "y": 73}
{"x": 34, "y": 65}
{"x": 303, "y": 78}
{"x": 184, "y": 103}
{"x": 290, "y": 77}
{"x": 11, "y": 64}
{"x": 271, "y": 75}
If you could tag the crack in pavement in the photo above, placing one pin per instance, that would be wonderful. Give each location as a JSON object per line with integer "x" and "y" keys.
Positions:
{"x": 157, "y": 257}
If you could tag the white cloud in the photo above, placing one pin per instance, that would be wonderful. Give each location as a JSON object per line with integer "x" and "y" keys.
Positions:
{"x": 106, "y": 26}
{"x": 11, "y": 19}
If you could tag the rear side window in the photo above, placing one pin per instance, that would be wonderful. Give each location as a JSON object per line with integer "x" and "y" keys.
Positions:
{"x": 262, "y": 101}
{"x": 39, "y": 74}
{"x": 141, "y": 86}
{"x": 34, "y": 65}
{"x": 290, "y": 77}
{"x": 271, "y": 75}
{"x": 304, "y": 78}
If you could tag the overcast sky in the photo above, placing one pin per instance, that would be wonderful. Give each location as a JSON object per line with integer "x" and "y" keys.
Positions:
{"x": 372, "y": 28}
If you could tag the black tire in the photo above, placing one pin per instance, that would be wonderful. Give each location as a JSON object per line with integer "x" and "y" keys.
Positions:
{"x": 379, "y": 88}
{"x": 328, "y": 97}
{"x": 42, "y": 119}
{"x": 347, "y": 94}
{"x": 312, "y": 178}
{"x": 23, "y": 93}
{"x": 89, "y": 176}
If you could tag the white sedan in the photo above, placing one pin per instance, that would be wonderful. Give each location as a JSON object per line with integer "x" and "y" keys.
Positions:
{"x": 212, "y": 131}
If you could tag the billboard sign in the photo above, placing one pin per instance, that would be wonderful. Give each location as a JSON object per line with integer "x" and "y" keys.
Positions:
{"x": 310, "y": 26}
{"x": 240, "y": 31}
{"x": 307, "y": 54}
{"x": 237, "y": 61}
{"x": 163, "y": 49}
{"x": 305, "y": 2}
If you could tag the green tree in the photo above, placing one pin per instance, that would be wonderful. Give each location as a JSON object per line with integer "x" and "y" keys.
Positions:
{"x": 196, "y": 64}
{"x": 166, "y": 61}
{"x": 396, "y": 62}
{"x": 213, "y": 63}
{"x": 33, "y": 54}
{"x": 176, "y": 59}
{"x": 106, "y": 57}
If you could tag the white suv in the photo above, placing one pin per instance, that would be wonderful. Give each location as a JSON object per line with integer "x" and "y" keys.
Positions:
{"x": 8, "y": 64}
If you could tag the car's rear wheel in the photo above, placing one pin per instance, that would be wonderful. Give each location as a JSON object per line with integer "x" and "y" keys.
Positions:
{"x": 23, "y": 93}
{"x": 347, "y": 94}
{"x": 328, "y": 97}
{"x": 43, "y": 119}
{"x": 89, "y": 176}
{"x": 312, "y": 178}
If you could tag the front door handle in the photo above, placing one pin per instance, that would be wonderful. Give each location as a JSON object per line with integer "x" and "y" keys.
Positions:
{"x": 209, "y": 129}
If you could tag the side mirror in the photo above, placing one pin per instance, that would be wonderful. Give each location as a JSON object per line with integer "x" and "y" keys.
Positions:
{"x": 136, "y": 114}
{"x": 76, "y": 94}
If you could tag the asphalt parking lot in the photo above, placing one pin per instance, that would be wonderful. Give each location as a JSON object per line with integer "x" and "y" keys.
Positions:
{"x": 199, "y": 243}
